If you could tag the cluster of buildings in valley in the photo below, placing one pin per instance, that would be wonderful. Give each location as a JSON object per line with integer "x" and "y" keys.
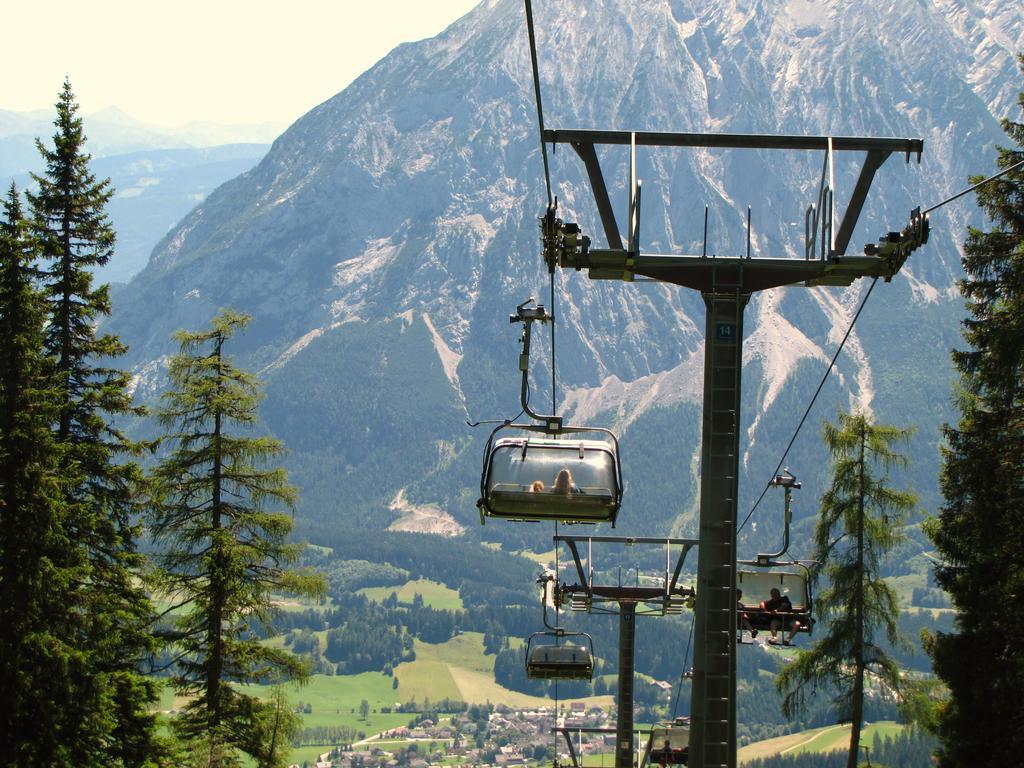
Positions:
{"x": 507, "y": 737}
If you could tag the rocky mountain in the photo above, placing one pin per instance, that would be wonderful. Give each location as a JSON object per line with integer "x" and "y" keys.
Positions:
{"x": 382, "y": 242}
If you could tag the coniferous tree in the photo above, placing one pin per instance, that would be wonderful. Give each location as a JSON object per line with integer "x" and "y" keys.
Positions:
{"x": 36, "y": 566}
{"x": 224, "y": 552}
{"x": 858, "y": 525}
{"x": 107, "y": 614}
{"x": 979, "y": 532}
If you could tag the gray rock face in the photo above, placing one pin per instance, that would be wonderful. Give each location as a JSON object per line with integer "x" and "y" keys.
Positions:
{"x": 383, "y": 240}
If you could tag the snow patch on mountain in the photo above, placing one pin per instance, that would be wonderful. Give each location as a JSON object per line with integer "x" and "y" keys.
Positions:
{"x": 300, "y": 344}
{"x": 376, "y": 256}
{"x": 449, "y": 360}
{"x": 422, "y": 518}
{"x": 169, "y": 253}
{"x": 780, "y": 347}
{"x": 923, "y": 291}
{"x": 353, "y": 276}
{"x": 147, "y": 378}
{"x": 987, "y": 34}
{"x": 627, "y": 401}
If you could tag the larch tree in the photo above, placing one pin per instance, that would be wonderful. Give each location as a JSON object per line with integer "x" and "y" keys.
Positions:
{"x": 106, "y": 615}
{"x": 224, "y": 548}
{"x": 859, "y": 523}
{"x": 979, "y": 531}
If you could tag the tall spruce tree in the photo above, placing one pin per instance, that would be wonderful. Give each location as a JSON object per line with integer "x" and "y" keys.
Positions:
{"x": 224, "y": 550}
{"x": 859, "y": 523}
{"x": 36, "y": 566}
{"x": 107, "y": 614}
{"x": 979, "y": 532}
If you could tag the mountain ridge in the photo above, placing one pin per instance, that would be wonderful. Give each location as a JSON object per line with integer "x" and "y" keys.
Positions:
{"x": 400, "y": 215}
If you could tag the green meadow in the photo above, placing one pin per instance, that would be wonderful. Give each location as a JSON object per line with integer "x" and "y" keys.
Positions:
{"x": 434, "y": 594}
{"x": 827, "y": 739}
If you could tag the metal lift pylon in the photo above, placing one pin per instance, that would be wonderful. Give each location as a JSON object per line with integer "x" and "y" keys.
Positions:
{"x": 659, "y": 598}
{"x": 726, "y": 284}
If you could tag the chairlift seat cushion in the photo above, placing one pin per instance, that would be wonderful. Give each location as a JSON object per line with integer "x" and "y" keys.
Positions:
{"x": 762, "y": 620}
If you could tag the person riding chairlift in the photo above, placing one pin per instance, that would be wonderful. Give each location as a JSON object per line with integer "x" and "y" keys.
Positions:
{"x": 744, "y": 616}
{"x": 563, "y": 483}
{"x": 778, "y": 605}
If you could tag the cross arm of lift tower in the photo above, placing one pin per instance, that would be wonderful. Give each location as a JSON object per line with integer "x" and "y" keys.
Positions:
{"x": 624, "y": 261}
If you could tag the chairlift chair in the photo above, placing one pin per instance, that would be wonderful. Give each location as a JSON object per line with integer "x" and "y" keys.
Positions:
{"x": 557, "y": 660}
{"x": 670, "y": 742}
{"x": 792, "y": 579}
{"x": 559, "y": 476}
{"x": 548, "y": 471}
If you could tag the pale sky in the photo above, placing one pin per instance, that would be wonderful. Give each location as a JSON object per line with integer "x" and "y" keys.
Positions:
{"x": 228, "y": 61}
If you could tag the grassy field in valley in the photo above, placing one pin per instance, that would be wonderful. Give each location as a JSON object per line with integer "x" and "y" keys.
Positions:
{"x": 458, "y": 670}
{"x": 827, "y": 739}
{"x": 434, "y": 594}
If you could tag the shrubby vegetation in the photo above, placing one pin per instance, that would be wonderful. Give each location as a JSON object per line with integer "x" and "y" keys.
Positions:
{"x": 340, "y": 735}
{"x": 454, "y": 562}
{"x": 351, "y": 575}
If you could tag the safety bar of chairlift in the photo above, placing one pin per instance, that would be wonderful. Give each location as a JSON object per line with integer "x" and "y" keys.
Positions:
{"x": 586, "y": 582}
{"x": 548, "y": 428}
{"x": 568, "y": 731}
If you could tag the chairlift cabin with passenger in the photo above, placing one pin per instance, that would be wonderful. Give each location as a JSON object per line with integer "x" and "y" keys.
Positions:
{"x": 546, "y": 470}
{"x": 540, "y": 477}
{"x": 756, "y": 579}
{"x": 670, "y": 743}
{"x": 791, "y": 579}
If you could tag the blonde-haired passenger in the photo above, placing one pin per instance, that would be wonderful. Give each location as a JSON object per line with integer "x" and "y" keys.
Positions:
{"x": 563, "y": 483}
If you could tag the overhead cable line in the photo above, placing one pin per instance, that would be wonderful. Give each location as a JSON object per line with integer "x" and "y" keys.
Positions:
{"x": 536, "y": 91}
{"x": 947, "y": 201}
{"x": 810, "y": 405}
{"x": 547, "y": 178}
{"x": 682, "y": 675}
{"x": 974, "y": 187}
